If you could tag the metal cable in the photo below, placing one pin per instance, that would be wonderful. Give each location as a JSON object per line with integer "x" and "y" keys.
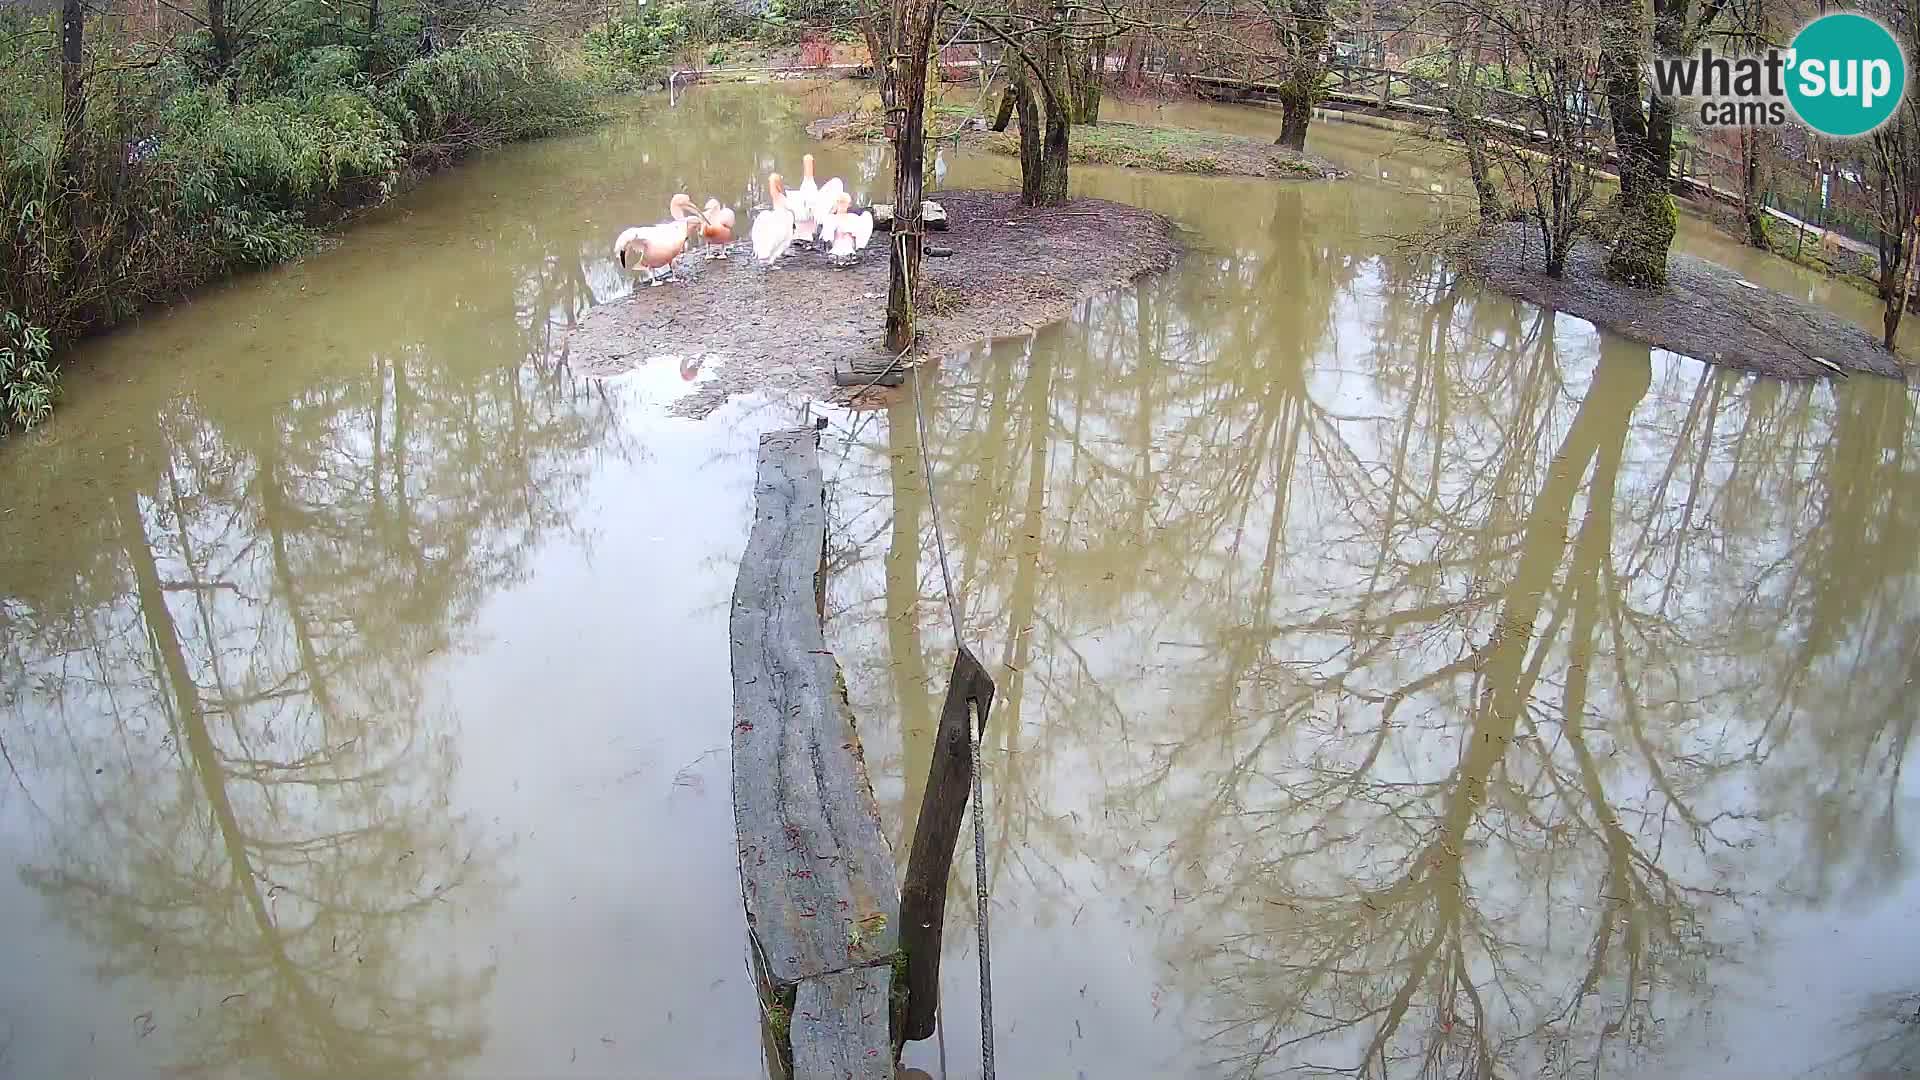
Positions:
{"x": 980, "y": 895}
{"x": 973, "y": 743}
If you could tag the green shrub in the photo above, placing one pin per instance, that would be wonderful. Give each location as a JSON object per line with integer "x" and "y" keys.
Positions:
{"x": 491, "y": 87}
{"x": 28, "y": 378}
{"x": 176, "y": 182}
{"x": 640, "y": 45}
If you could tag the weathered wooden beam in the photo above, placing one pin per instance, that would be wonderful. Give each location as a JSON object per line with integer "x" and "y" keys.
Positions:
{"x": 923, "y": 896}
{"x": 840, "y": 1026}
{"x": 816, "y": 870}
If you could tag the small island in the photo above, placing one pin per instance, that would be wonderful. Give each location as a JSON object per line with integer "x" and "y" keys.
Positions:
{"x": 1012, "y": 269}
{"x": 1705, "y": 310}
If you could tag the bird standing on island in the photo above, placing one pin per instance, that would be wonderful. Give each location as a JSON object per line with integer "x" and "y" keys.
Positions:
{"x": 718, "y": 228}
{"x": 654, "y": 247}
{"x": 806, "y": 203}
{"x": 773, "y": 228}
{"x": 845, "y": 232}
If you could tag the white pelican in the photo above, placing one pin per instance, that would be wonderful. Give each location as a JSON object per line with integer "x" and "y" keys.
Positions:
{"x": 773, "y": 229}
{"x": 654, "y": 247}
{"x": 718, "y": 228}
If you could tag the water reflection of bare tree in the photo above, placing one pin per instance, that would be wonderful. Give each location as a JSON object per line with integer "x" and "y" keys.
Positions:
{"x": 241, "y": 790}
{"x": 1453, "y": 709}
{"x": 1883, "y": 1043}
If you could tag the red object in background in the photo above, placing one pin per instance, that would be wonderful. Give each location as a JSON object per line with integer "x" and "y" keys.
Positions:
{"x": 815, "y": 52}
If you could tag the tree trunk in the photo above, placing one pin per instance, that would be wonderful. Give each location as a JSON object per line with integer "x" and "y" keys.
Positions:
{"x": 1085, "y": 80}
{"x": 1556, "y": 257}
{"x": 1005, "y": 116}
{"x": 1059, "y": 103}
{"x": 1031, "y": 135}
{"x": 222, "y": 33}
{"x": 1134, "y": 73}
{"x": 1308, "y": 68}
{"x": 1463, "y": 123}
{"x": 1644, "y": 214}
{"x": 914, "y": 33}
{"x": 1896, "y": 259}
{"x": 373, "y": 16}
{"x": 1752, "y": 203}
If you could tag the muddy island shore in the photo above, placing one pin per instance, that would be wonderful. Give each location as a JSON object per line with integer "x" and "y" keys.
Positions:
{"x": 1705, "y": 311}
{"x": 1012, "y": 269}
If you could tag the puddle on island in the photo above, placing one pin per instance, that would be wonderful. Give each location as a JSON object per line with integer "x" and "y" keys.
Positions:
{"x": 1393, "y": 676}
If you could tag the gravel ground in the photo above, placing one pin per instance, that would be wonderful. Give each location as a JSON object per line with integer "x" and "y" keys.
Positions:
{"x": 1013, "y": 270}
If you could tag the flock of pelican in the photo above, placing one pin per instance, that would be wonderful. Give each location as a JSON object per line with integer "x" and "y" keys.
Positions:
{"x": 815, "y": 213}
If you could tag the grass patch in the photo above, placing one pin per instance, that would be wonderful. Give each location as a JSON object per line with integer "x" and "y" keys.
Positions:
{"x": 1137, "y": 146}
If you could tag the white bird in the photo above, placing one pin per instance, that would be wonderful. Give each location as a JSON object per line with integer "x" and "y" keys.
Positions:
{"x": 654, "y": 247}
{"x": 847, "y": 232}
{"x": 718, "y": 229}
{"x": 773, "y": 228}
{"x": 826, "y": 200}
{"x": 806, "y": 206}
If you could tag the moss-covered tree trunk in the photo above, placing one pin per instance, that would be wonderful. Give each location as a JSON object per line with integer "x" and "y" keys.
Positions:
{"x": 1644, "y": 216}
{"x": 1305, "y": 28}
{"x": 1043, "y": 100}
{"x": 1058, "y": 103}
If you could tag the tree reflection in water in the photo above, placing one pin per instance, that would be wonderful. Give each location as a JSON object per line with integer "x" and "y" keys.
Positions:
{"x": 218, "y": 697}
{"x": 1450, "y": 689}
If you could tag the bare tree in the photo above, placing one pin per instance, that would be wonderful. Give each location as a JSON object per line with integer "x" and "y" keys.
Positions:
{"x": 1896, "y": 160}
{"x": 1547, "y": 57}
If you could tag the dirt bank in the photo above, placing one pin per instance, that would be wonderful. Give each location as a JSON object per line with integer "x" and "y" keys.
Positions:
{"x": 1012, "y": 270}
{"x": 1706, "y": 310}
{"x": 1129, "y": 146}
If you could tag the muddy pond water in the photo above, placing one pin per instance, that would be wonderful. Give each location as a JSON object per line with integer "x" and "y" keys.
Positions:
{"x": 1396, "y": 679}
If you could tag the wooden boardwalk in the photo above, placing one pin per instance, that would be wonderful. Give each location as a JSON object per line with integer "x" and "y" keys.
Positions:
{"x": 816, "y": 869}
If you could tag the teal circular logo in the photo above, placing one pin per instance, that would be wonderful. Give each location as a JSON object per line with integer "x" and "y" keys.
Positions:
{"x": 1847, "y": 75}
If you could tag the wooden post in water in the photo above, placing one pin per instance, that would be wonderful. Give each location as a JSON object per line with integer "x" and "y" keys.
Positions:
{"x": 923, "y": 897}
{"x": 816, "y": 870}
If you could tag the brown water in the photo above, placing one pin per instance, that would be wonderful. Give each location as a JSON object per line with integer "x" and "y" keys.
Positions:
{"x": 1394, "y": 678}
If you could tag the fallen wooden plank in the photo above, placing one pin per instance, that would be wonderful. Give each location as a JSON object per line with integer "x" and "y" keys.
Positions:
{"x": 840, "y": 1026}
{"x": 815, "y": 865}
